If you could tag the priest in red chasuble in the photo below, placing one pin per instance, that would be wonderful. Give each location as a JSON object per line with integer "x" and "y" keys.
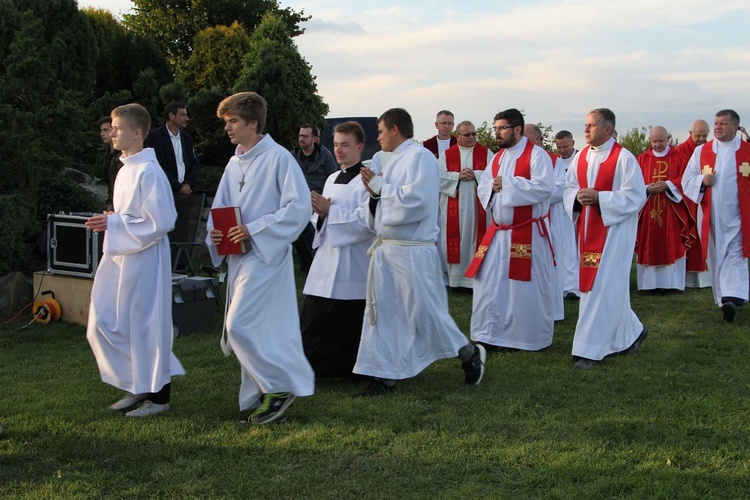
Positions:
{"x": 513, "y": 267}
{"x": 717, "y": 178}
{"x": 444, "y": 139}
{"x": 664, "y": 224}
{"x": 604, "y": 191}
{"x": 463, "y": 219}
{"x": 696, "y": 275}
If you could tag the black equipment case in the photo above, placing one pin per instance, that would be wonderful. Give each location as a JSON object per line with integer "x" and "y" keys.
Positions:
{"x": 72, "y": 249}
{"x": 194, "y": 304}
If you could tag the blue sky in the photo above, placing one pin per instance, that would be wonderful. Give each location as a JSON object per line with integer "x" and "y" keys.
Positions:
{"x": 653, "y": 63}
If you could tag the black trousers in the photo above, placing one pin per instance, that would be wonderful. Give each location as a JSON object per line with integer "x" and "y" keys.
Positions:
{"x": 304, "y": 247}
{"x": 161, "y": 397}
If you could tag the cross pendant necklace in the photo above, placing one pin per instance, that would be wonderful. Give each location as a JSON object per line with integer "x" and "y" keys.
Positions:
{"x": 245, "y": 171}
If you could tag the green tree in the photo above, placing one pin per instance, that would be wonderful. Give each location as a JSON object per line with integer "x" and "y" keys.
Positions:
{"x": 122, "y": 56}
{"x": 211, "y": 143}
{"x": 104, "y": 105}
{"x": 548, "y": 137}
{"x": 636, "y": 140}
{"x": 46, "y": 80}
{"x": 217, "y": 58}
{"x": 68, "y": 39}
{"x": 486, "y": 137}
{"x": 174, "y": 24}
{"x": 274, "y": 68}
{"x": 146, "y": 93}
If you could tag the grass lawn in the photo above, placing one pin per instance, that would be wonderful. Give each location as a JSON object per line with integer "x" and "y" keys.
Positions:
{"x": 670, "y": 422}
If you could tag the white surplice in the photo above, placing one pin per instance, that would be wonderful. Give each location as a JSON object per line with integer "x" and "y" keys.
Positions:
{"x": 339, "y": 270}
{"x": 606, "y": 321}
{"x": 450, "y": 186}
{"x": 506, "y": 312}
{"x": 130, "y": 318}
{"x": 726, "y": 265}
{"x": 412, "y": 326}
{"x": 566, "y": 248}
{"x": 262, "y": 322}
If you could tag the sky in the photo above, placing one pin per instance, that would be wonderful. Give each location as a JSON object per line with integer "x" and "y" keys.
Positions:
{"x": 653, "y": 63}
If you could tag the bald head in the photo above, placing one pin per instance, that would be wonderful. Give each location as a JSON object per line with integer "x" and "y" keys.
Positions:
{"x": 699, "y": 132}
{"x": 534, "y": 134}
{"x": 659, "y": 138}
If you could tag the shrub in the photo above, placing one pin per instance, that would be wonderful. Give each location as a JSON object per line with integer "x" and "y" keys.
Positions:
{"x": 16, "y": 228}
{"x": 60, "y": 194}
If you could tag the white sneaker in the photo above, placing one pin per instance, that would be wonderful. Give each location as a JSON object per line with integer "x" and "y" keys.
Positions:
{"x": 128, "y": 401}
{"x": 147, "y": 409}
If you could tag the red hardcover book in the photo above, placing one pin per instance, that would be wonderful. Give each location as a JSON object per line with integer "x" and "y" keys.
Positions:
{"x": 226, "y": 218}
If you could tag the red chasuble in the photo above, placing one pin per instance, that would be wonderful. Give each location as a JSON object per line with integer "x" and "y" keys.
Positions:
{"x": 687, "y": 148}
{"x": 708, "y": 164}
{"x": 664, "y": 227}
{"x": 432, "y": 144}
{"x": 452, "y": 226}
{"x": 521, "y": 229}
{"x": 592, "y": 236}
{"x": 696, "y": 263}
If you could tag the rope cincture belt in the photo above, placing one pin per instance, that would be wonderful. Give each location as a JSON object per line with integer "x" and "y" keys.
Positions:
{"x": 372, "y": 308}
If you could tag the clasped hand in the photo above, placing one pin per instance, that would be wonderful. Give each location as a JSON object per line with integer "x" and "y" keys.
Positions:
{"x": 588, "y": 196}
{"x": 320, "y": 204}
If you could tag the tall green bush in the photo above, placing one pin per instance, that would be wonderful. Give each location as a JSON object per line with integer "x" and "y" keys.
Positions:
{"x": 16, "y": 232}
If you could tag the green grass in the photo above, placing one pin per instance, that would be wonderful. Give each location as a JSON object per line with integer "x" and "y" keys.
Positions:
{"x": 670, "y": 422}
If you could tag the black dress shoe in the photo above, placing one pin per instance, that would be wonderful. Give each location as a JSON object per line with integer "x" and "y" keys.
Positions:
{"x": 375, "y": 388}
{"x": 637, "y": 344}
{"x": 729, "y": 309}
{"x": 584, "y": 364}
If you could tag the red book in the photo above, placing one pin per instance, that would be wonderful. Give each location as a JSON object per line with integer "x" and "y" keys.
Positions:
{"x": 226, "y": 218}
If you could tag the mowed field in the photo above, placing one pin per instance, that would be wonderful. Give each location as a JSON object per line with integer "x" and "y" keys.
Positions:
{"x": 669, "y": 422}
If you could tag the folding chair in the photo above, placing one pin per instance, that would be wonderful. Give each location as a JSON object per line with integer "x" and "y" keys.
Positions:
{"x": 184, "y": 236}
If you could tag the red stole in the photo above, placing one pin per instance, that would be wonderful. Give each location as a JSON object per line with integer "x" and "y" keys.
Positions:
{"x": 452, "y": 227}
{"x": 553, "y": 157}
{"x": 521, "y": 228}
{"x": 592, "y": 236}
{"x": 664, "y": 227}
{"x": 708, "y": 164}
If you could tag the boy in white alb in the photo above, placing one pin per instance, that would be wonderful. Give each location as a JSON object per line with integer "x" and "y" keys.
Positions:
{"x": 261, "y": 323}
{"x": 336, "y": 286}
{"x": 130, "y": 318}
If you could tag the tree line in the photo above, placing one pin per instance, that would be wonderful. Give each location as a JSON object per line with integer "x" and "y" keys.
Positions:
{"x": 62, "y": 68}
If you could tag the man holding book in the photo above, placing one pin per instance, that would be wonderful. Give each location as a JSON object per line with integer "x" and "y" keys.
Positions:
{"x": 266, "y": 187}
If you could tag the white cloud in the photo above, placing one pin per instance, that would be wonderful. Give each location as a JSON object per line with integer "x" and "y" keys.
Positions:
{"x": 651, "y": 62}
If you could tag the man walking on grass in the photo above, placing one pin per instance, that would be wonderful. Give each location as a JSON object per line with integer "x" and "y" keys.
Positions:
{"x": 407, "y": 325}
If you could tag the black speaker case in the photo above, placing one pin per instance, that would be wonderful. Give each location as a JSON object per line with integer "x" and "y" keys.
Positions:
{"x": 72, "y": 249}
{"x": 194, "y": 304}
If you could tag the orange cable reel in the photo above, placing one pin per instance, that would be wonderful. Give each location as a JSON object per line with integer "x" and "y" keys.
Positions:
{"x": 47, "y": 310}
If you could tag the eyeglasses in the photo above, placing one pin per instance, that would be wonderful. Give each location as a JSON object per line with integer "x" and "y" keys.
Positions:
{"x": 469, "y": 134}
{"x": 501, "y": 127}
{"x": 445, "y": 123}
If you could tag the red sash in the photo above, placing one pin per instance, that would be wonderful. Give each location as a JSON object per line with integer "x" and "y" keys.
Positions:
{"x": 708, "y": 164}
{"x": 452, "y": 227}
{"x": 592, "y": 236}
{"x": 521, "y": 229}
